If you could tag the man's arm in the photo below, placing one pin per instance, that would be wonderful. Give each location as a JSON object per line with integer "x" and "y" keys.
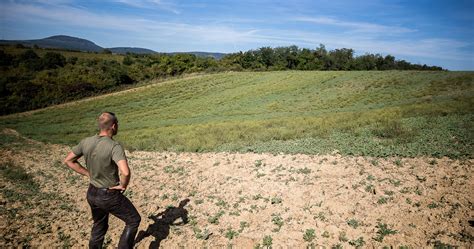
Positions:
{"x": 124, "y": 175}
{"x": 71, "y": 162}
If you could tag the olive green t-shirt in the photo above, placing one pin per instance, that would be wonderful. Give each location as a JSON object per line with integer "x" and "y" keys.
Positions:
{"x": 101, "y": 154}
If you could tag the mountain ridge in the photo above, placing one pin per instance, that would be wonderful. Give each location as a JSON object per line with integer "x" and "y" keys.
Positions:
{"x": 84, "y": 45}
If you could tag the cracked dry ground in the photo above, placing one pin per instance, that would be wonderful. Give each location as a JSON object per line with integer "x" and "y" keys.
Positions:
{"x": 245, "y": 200}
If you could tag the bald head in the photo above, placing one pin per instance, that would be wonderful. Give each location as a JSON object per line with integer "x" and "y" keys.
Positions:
{"x": 106, "y": 120}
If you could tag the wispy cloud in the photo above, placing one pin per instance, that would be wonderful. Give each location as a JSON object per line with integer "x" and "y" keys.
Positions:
{"x": 146, "y": 28}
{"x": 146, "y": 4}
{"x": 362, "y": 27}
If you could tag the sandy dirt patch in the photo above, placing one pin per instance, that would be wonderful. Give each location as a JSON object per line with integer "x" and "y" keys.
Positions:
{"x": 244, "y": 200}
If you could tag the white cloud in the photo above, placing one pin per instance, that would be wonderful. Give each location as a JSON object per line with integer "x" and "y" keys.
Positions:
{"x": 362, "y": 27}
{"x": 146, "y": 4}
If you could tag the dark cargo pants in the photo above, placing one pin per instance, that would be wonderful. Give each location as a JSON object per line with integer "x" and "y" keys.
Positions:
{"x": 104, "y": 202}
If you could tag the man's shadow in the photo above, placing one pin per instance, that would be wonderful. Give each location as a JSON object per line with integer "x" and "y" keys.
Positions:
{"x": 163, "y": 221}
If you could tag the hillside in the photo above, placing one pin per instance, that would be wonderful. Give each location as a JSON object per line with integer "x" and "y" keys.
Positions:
{"x": 78, "y": 44}
{"x": 124, "y": 50}
{"x": 59, "y": 42}
{"x": 391, "y": 113}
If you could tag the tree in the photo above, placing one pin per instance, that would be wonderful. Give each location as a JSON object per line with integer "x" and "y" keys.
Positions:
{"x": 342, "y": 58}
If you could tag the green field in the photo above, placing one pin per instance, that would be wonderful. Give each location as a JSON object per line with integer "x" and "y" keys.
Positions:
{"x": 376, "y": 113}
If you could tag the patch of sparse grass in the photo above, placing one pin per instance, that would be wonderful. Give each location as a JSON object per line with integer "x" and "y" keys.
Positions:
{"x": 418, "y": 191}
{"x": 215, "y": 218}
{"x": 276, "y": 200}
{"x": 357, "y": 243}
{"x": 369, "y": 188}
{"x": 353, "y": 223}
{"x": 383, "y": 230}
{"x": 260, "y": 175}
{"x": 201, "y": 234}
{"x": 441, "y": 245}
{"x": 325, "y": 234}
{"x": 405, "y": 190}
{"x": 243, "y": 225}
{"x": 395, "y": 182}
{"x": 421, "y": 178}
{"x": 221, "y": 203}
{"x": 321, "y": 216}
{"x": 267, "y": 241}
{"x": 384, "y": 200}
{"x": 230, "y": 234}
{"x": 199, "y": 201}
{"x": 309, "y": 235}
{"x": 433, "y": 205}
{"x": 304, "y": 170}
{"x": 170, "y": 169}
{"x": 65, "y": 239}
{"x": 278, "y": 221}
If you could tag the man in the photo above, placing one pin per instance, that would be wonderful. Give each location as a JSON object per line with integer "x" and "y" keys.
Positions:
{"x": 105, "y": 158}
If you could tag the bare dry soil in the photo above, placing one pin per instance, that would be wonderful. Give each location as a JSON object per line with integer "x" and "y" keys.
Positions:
{"x": 246, "y": 200}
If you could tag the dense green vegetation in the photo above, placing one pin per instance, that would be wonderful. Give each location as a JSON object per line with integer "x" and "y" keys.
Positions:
{"x": 375, "y": 113}
{"x": 35, "y": 78}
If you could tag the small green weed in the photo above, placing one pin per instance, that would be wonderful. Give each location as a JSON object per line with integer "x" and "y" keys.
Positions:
{"x": 276, "y": 200}
{"x": 278, "y": 221}
{"x": 383, "y": 230}
{"x": 267, "y": 241}
{"x": 358, "y": 242}
{"x": 304, "y": 170}
{"x": 309, "y": 235}
{"x": 230, "y": 234}
{"x": 243, "y": 225}
{"x": 353, "y": 223}
{"x": 215, "y": 219}
{"x": 433, "y": 205}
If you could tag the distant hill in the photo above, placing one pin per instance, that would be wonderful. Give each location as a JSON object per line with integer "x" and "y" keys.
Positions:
{"x": 124, "y": 50}
{"x": 79, "y": 44}
{"x": 59, "y": 41}
{"x": 217, "y": 56}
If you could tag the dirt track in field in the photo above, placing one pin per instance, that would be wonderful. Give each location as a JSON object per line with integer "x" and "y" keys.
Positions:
{"x": 238, "y": 199}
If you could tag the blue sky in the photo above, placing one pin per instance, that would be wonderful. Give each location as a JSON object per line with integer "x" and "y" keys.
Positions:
{"x": 432, "y": 32}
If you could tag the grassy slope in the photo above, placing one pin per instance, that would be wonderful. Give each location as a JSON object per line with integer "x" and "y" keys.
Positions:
{"x": 364, "y": 113}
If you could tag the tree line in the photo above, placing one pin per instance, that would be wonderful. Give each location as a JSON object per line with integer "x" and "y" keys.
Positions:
{"x": 30, "y": 81}
{"x": 294, "y": 58}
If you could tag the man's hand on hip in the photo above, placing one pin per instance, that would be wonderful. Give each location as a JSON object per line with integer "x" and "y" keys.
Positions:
{"x": 118, "y": 187}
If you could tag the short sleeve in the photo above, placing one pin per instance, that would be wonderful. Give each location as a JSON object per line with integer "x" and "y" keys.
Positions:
{"x": 78, "y": 150}
{"x": 118, "y": 153}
